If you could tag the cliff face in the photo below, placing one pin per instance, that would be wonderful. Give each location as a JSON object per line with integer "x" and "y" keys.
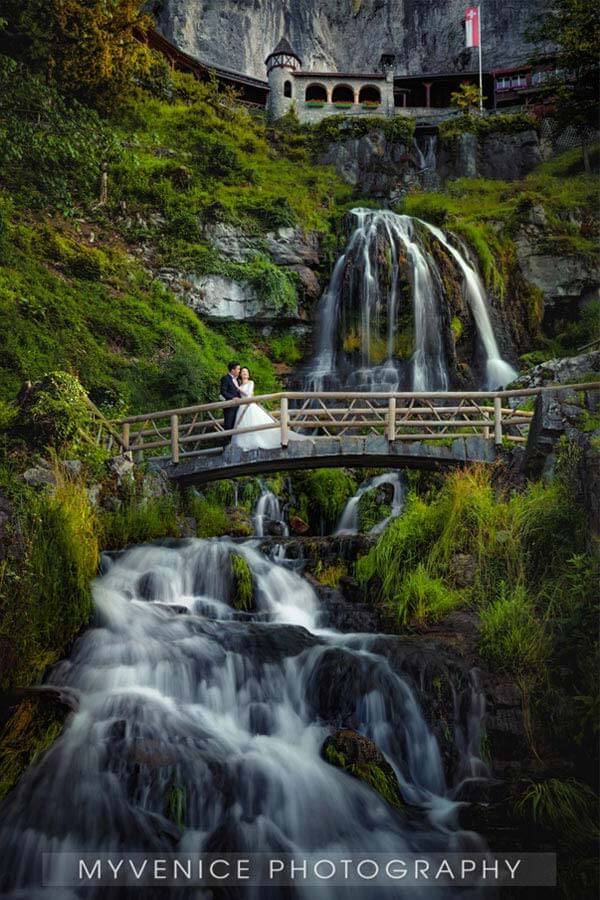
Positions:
{"x": 427, "y": 35}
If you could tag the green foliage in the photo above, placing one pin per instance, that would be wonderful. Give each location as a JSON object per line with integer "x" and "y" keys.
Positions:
{"x": 399, "y": 129}
{"x": 467, "y": 97}
{"x": 131, "y": 343}
{"x": 51, "y": 149}
{"x": 422, "y": 598}
{"x": 88, "y": 48}
{"x": 243, "y": 584}
{"x": 502, "y": 123}
{"x": 325, "y": 493}
{"x": 136, "y": 522}
{"x": 568, "y": 808}
{"x": 573, "y": 28}
{"x": 512, "y": 637}
{"x": 55, "y": 413}
{"x": 45, "y": 594}
{"x": 176, "y": 806}
{"x": 372, "y": 509}
{"x": 211, "y": 518}
{"x": 27, "y": 733}
{"x": 329, "y": 574}
{"x": 380, "y": 778}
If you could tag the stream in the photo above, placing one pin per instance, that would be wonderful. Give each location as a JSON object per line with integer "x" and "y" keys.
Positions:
{"x": 200, "y": 727}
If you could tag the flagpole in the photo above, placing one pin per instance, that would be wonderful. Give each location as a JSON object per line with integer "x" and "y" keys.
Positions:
{"x": 480, "y": 68}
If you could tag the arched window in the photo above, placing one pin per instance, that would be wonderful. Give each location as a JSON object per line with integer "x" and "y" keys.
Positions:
{"x": 370, "y": 95}
{"x": 316, "y": 92}
{"x": 342, "y": 93}
{"x": 287, "y": 89}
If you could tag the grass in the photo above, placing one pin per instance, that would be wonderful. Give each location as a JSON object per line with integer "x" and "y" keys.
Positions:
{"x": 138, "y": 522}
{"x": 243, "y": 583}
{"x": 211, "y": 518}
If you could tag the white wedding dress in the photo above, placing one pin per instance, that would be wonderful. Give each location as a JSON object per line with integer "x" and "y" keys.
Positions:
{"x": 252, "y": 415}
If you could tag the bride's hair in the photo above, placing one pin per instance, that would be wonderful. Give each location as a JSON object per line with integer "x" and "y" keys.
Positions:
{"x": 245, "y": 369}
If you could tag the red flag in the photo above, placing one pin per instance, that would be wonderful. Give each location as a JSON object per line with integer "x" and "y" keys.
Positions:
{"x": 472, "y": 26}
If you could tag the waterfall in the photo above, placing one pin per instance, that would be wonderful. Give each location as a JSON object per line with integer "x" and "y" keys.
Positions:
{"x": 267, "y": 513}
{"x": 385, "y": 320}
{"x": 199, "y": 728}
{"x": 348, "y": 523}
{"x": 498, "y": 372}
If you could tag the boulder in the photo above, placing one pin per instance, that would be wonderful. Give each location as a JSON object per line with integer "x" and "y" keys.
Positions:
{"x": 565, "y": 370}
{"x": 37, "y": 476}
{"x": 559, "y": 277}
{"x": 361, "y": 757}
{"x": 509, "y": 156}
{"x": 219, "y": 297}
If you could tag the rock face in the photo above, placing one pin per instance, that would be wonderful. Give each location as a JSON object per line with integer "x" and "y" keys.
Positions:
{"x": 347, "y": 35}
{"x": 218, "y": 297}
{"x": 559, "y": 277}
{"x": 371, "y": 163}
{"x": 506, "y": 157}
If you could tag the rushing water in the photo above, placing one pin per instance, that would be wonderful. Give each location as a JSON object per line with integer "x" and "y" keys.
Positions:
{"x": 181, "y": 696}
{"x": 385, "y": 321}
{"x": 348, "y": 523}
{"x": 268, "y": 513}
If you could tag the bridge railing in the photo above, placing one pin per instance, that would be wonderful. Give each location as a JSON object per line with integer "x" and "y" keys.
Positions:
{"x": 426, "y": 416}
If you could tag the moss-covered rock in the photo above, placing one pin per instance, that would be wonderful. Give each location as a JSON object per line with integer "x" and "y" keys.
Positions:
{"x": 361, "y": 758}
{"x": 242, "y": 595}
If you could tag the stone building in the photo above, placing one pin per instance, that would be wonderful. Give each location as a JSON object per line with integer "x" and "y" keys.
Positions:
{"x": 316, "y": 95}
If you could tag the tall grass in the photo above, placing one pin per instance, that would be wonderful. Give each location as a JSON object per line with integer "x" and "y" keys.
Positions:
{"x": 136, "y": 522}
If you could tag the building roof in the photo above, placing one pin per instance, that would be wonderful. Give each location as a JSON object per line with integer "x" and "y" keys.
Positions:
{"x": 284, "y": 48}
{"x": 369, "y": 76}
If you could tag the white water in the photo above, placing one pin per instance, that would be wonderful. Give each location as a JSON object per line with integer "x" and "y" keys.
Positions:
{"x": 499, "y": 373}
{"x": 267, "y": 511}
{"x": 359, "y": 312}
{"x": 181, "y": 693}
{"x": 348, "y": 523}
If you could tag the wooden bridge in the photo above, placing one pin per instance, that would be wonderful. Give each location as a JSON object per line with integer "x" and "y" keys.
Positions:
{"x": 392, "y": 430}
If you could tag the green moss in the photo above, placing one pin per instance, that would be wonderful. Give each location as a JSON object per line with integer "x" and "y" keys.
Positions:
{"x": 176, "y": 806}
{"x": 46, "y": 597}
{"x": 512, "y": 123}
{"x": 243, "y": 583}
{"x": 457, "y": 328}
{"x": 30, "y": 730}
{"x": 329, "y": 574}
{"x": 380, "y": 779}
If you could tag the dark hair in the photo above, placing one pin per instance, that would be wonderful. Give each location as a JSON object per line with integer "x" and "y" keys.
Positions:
{"x": 247, "y": 370}
{"x": 231, "y": 366}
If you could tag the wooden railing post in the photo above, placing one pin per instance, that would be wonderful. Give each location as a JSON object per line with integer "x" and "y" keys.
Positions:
{"x": 391, "y": 429}
{"x": 125, "y": 436}
{"x": 175, "y": 438}
{"x": 498, "y": 421}
{"x": 284, "y": 421}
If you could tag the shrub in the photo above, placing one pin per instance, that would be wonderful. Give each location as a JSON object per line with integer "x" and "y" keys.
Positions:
{"x": 211, "y": 518}
{"x": 422, "y": 598}
{"x": 138, "y": 522}
{"x": 512, "y": 636}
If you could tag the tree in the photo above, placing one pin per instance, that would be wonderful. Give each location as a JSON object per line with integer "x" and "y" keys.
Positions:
{"x": 573, "y": 27}
{"x": 467, "y": 98}
{"x": 89, "y": 48}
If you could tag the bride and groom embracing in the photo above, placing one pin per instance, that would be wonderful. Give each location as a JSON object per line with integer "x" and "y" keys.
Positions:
{"x": 238, "y": 384}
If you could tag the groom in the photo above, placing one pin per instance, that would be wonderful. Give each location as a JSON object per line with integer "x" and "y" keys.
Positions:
{"x": 229, "y": 389}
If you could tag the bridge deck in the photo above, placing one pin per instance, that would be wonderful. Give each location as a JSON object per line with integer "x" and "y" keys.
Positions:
{"x": 394, "y": 430}
{"x": 373, "y": 451}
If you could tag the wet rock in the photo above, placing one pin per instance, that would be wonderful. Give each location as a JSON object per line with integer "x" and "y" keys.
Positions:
{"x": 266, "y": 642}
{"x": 298, "y": 525}
{"x": 154, "y": 586}
{"x": 565, "y": 370}
{"x": 219, "y": 297}
{"x": 360, "y": 756}
{"x": 336, "y": 681}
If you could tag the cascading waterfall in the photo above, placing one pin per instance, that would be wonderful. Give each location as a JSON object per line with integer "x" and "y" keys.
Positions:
{"x": 268, "y": 513}
{"x": 181, "y": 696}
{"x": 385, "y": 319}
{"x": 498, "y": 372}
{"x": 348, "y": 523}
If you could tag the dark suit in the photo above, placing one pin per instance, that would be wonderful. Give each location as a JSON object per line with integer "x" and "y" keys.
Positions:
{"x": 229, "y": 390}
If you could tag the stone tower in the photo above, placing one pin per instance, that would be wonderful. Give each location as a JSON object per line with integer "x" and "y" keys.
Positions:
{"x": 280, "y": 65}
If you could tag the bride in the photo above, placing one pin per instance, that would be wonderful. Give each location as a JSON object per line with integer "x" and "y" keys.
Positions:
{"x": 252, "y": 415}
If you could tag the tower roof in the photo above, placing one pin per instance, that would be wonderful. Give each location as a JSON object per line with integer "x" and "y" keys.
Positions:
{"x": 283, "y": 48}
